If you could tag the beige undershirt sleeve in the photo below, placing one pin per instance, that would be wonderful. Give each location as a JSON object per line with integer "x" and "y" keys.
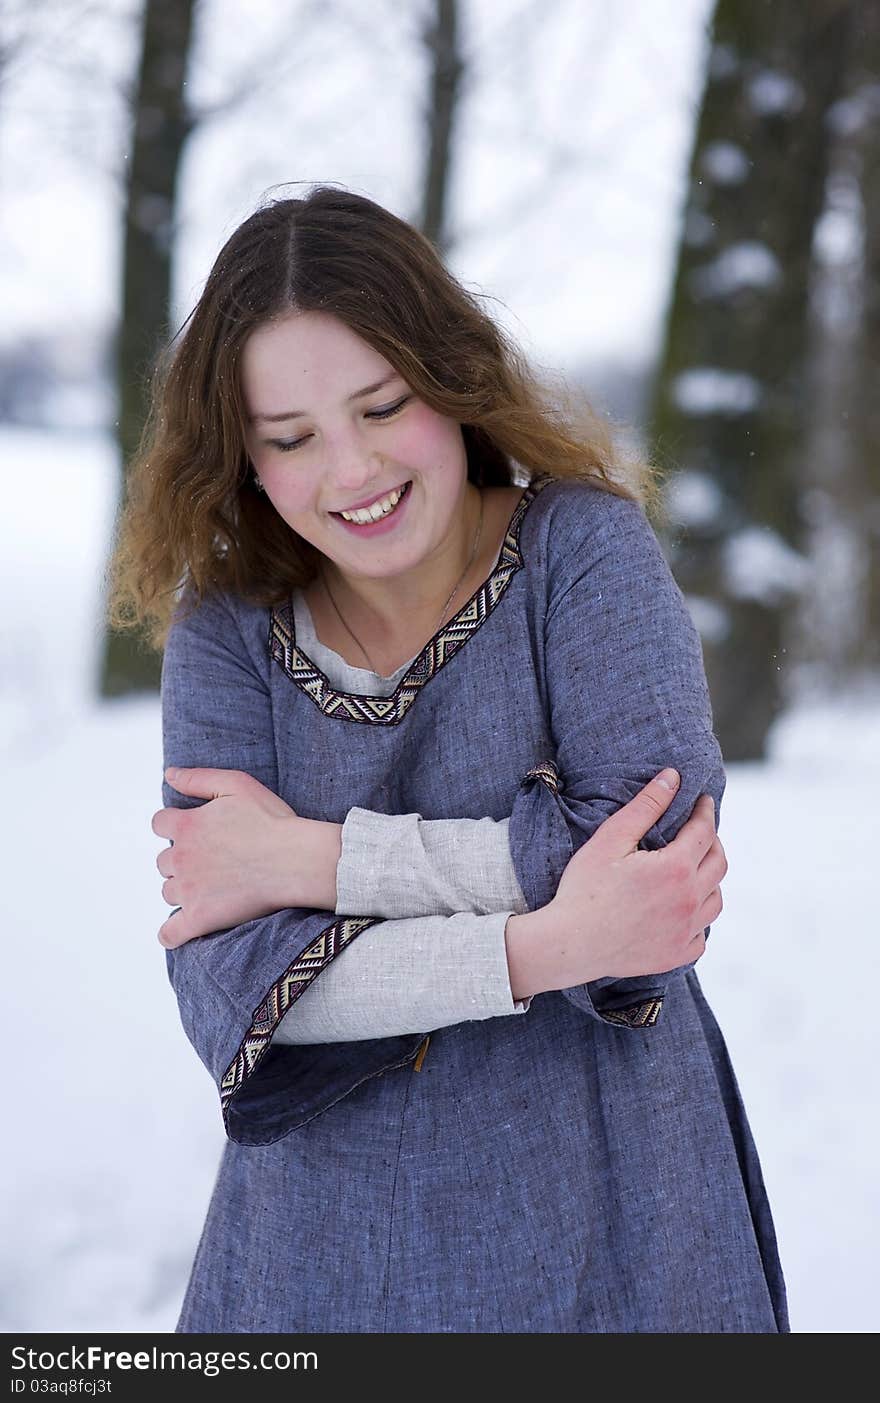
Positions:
{"x": 407, "y": 976}
{"x": 403, "y": 865}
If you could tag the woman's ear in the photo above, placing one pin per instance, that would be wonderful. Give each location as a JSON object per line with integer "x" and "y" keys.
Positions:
{"x": 251, "y": 474}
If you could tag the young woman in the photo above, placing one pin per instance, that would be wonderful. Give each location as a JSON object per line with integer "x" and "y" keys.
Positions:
{"x": 438, "y": 914}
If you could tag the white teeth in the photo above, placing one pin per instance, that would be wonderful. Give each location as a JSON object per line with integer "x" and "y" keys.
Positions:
{"x": 377, "y": 510}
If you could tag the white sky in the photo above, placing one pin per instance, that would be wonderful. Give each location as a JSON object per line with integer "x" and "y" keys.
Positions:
{"x": 572, "y": 151}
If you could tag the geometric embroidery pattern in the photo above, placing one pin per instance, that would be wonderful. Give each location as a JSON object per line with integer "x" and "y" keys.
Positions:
{"x": 283, "y": 993}
{"x": 643, "y": 1015}
{"x": 388, "y": 711}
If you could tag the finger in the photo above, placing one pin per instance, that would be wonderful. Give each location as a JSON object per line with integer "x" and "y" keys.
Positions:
{"x": 707, "y": 884}
{"x": 697, "y": 833}
{"x": 164, "y": 862}
{"x": 711, "y": 909}
{"x": 697, "y": 947}
{"x": 164, "y": 822}
{"x": 622, "y": 831}
{"x": 713, "y": 867}
{"x": 170, "y": 892}
{"x": 205, "y": 783}
{"x": 174, "y": 932}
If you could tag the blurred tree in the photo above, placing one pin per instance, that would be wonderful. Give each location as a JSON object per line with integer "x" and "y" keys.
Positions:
{"x": 441, "y": 38}
{"x": 865, "y": 100}
{"x": 160, "y": 127}
{"x": 731, "y": 393}
{"x": 838, "y": 636}
{"x": 18, "y": 30}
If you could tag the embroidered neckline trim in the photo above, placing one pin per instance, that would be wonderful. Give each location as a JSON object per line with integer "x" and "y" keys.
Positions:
{"x": 445, "y": 643}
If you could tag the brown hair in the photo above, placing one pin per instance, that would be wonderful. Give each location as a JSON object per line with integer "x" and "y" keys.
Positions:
{"x": 193, "y": 520}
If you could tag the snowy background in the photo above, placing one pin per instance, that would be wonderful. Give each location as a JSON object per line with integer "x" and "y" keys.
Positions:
{"x": 113, "y": 1126}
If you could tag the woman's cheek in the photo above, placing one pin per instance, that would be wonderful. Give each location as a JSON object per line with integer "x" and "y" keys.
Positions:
{"x": 428, "y": 440}
{"x": 288, "y": 489}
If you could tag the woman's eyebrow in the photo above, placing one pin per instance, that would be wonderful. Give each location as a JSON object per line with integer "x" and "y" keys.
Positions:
{"x": 301, "y": 413}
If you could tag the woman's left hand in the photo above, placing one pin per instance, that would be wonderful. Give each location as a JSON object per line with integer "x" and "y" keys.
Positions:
{"x": 244, "y": 854}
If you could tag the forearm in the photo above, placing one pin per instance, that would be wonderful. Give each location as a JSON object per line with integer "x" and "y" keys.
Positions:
{"x": 538, "y": 957}
{"x": 319, "y": 848}
{"x": 398, "y": 865}
{"x": 407, "y": 976}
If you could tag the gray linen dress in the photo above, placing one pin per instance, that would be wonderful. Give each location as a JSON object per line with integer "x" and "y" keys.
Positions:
{"x": 585, "y": 1167}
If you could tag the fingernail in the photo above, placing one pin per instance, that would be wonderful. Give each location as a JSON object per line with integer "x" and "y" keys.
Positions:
{"x": 171, "y": 771}
{"x": 670, "y": 778}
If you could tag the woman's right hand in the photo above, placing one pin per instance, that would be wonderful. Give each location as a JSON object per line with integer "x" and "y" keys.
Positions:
{"x": 620, "y": 910}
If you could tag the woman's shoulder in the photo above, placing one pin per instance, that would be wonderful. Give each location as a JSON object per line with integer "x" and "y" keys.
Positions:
{"x": 222, "y": 621}
{"x": 210, "y": 612}
{"x": 569, "y": 516}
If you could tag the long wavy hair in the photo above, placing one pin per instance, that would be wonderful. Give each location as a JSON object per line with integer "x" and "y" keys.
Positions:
{"x": 192, "y": 520}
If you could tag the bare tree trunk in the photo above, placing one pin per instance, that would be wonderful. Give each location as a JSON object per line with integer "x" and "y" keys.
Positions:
{"x": 731, "y": 394}
{"x": 866, "y": 95}
{"x": 160, "y": 129}
{"x": 441, "y": 38}
{"x": 838, "y": 635}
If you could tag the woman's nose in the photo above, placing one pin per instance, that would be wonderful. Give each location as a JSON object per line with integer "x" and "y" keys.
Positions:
{"x": 352, "y": 465}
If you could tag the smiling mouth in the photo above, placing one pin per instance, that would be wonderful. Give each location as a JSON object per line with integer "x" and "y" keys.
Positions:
{"x": 403, "y": 489}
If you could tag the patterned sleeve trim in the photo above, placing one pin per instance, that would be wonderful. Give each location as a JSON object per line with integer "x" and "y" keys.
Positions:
{"x": 547, "y": 772}
{"x": 283, "y": 993}
{"x": 640, "y": 1015}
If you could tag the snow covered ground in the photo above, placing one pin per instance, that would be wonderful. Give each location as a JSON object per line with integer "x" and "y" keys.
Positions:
{"x": 113, "y": 1130}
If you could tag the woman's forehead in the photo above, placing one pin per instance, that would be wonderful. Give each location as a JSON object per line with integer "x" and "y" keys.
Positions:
{"x": 306, "y": 358}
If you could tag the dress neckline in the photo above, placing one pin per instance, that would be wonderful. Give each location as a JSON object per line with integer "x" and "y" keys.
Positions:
{"x": 310, "y": 640}
{"x": 304, "y": 672}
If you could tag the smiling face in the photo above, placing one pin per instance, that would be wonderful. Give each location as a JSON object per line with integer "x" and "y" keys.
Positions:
{"x": 333, "y": 425}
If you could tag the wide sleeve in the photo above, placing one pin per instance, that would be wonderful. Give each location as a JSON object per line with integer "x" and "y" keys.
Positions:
{"x": 234, "y": 986}
{"x": 625, "y": 696}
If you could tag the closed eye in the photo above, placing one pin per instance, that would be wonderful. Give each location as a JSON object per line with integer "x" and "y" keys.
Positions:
{"x": 390, "y": 411}
{"x": 288, "y": 445}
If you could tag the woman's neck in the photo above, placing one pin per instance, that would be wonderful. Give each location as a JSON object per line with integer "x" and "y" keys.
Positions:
{"x": 375, "y": 608}
{"x": 401, "y": 632}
